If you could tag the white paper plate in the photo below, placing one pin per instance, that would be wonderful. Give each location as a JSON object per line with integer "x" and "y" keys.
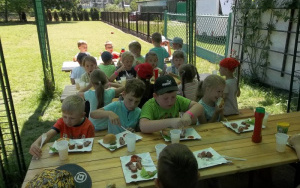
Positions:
{"x": 84, "y": 149}
{"x": 147, "y": 163}
{"x": 239, "y": 123}
{"x": 117, "y": 145}
{"x": 190, "y": 134}
{"x": 216, "y": 159}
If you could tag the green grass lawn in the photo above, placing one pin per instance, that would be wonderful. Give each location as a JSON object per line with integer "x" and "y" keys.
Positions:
{"x": 36, "y": 115}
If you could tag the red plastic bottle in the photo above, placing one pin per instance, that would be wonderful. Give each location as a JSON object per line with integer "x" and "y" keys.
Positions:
{"x": 259, "y": 116}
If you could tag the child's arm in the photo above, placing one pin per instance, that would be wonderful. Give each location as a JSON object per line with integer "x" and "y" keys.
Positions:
{"x": 35, "y": 149}
{"x": 101, "y": 113}
{"x": 116, "y": 73}
{"x": 150, "y": 126}
{"x": 191, "y": 115}
{"x": 218, "y": 113}
{"x": 119, "y": 90}
{"x": 86, "y": 88}
{"x": 72, "y": 81}
{"x": 174, "y": 75}
{"x": 169, "y": 48}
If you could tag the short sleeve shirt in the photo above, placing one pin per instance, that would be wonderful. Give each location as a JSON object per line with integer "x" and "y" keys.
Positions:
{"x": 140, "y": 59}
{"x": 208, "y": 110}
{"x": 231, "y": 105}
{"x": 107, "y": 69}
{"x": 77, "y": 72}
{"x": 152, "y": 111}
{"x": 85, "y": 78}
{"x": 109, "y": 94}
{"x": 83, "y": 130}
{"x": 161, "y": 53}
{"x": 127, "y": 118}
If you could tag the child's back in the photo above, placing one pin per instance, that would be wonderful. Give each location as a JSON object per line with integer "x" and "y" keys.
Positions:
{"x": 135, "y": 48}
{"x": 188, "y": 87}
{"x": 106, "y": 66}
{"x": 77, "y": 72}
{"x": 161, "y": 52}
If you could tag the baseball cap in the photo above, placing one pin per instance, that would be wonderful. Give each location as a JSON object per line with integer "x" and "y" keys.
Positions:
{"x": 165, "y": 84}
{"x": 68, "y": 175}
{"x": 144, "y": 70}
{"x": 106, "y": 56}
{"x": 229, "y": 63}
{"x": 177, "y": 40}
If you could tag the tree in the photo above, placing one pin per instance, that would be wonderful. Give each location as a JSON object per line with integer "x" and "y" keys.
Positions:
{"x": 19, "y": 6}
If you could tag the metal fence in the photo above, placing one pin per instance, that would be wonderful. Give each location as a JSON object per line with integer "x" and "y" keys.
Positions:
{"x": 139, "y": 24}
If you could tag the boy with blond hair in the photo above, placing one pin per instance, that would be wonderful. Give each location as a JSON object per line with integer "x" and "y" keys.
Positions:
{"x": 73, "y": 124}
{"x": 135, "y": 48}
{"x": 82, "y": 46}
{"x": 110, "y": 48}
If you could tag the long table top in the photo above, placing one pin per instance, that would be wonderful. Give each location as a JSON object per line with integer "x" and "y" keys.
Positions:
{"x": 67, "y": 66}
{"x": 105, "y": 166}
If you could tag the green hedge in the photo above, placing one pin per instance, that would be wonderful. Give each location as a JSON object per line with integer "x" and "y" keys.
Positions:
{"x": 74, "y": 15}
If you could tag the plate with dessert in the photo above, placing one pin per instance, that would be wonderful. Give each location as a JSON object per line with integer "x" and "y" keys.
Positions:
{"x": 208, "y": 157}
{"x": 138, "y": 167}
{"x": 186, "y": 134}
{"x": 240, "y": 126}
{"x": 113, "y": 142}
{"x": 75, "y": 145}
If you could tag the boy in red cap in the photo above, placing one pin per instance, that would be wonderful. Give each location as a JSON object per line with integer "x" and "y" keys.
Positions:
{"x": 232, "y": 90}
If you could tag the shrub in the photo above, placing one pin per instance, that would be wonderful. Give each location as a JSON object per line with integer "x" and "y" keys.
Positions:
{"x": 86, "y": 15}
{"x": 56, "y": 17}
{"x": 94, "y": 14}
{"x": 63, "y": 15}
{"x": 80, "y": 15}
{"x": 74, "y": 15}
{"x": 49, "y": 15}
{"x": 68, "y": 14}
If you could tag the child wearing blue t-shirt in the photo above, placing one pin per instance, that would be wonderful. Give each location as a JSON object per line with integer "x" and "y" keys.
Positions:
{"x": 160, "y": 51}
{"x": 124, "y": 113}
{"x": 101, "y": 96}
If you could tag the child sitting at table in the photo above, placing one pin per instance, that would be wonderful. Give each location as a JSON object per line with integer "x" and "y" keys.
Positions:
{"x": 177, "y": 167}
{"x": 101, "y": 96}
{"x": 77, "y": 72}
{"x": 178, "y": 60}
{"x": 188, "y": 87}
{"x": 89, "y": 64}
{"x": 159, "y": 50}
{"x": 232, "y": 89}
{"x": 73, "y": 124}
{"x": 162, "y": 111}
{"x": 177, "y": 43}
{"x": 144, "y": 72}
{"x": 126, "y": 69}
{"x": 82, "y": 46}
{"x": 124, "y": 113}
{"x": 152, "y": 59}
{"x": 110, "y": 48}
{"x": 208, "y": 94}
{"x": 135, "y": 48}
{"x": 107, "y": 67}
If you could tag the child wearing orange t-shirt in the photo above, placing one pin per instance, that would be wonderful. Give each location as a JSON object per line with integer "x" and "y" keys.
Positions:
{"x": 73, "y": 124}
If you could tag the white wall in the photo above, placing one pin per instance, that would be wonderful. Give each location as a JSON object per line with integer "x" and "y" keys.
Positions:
{"x": 207, "y": 7}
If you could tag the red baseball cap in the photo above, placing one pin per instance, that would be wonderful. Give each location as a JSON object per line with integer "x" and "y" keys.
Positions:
{"x": 229, "y": 63}
{"x": 144, "y": 70}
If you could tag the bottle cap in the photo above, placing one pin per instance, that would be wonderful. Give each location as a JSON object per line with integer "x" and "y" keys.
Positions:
{"x": 260, "y": 110}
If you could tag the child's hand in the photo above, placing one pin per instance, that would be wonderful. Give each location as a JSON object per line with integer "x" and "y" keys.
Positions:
{"x": 177, "y": 123}
{"x": 35, "y": 151}
{"x": 294, "y": 140}
{"x": 186, "y": 119}
{"x": 122, "y": 68}
{"x": 114, "y": 119}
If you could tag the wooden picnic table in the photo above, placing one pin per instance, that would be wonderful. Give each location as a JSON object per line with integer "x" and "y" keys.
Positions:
{"x": 69, "y": 65}
{"x": 105, "y": 167}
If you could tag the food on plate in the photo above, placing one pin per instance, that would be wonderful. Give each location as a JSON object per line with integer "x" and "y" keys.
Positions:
{"x": 79, "y": 145}
{"x": 124, "y": 135}
{"x": 220, "y": 102}
{"x": 245, "y": 123}
{"x": 139, "y": 165}
{"x": 121, "y": 141}
{"x": 147, "y": 174}
{"x": 71, "y": 146}
{"x": 241, "y": 129}
{"x": 182, "y": 134}
{"x": 234, "y": 125}
{"x": 134, "y": 176}
{"x": 109, "y": 139}
{"x": 67, "y": 139}
{"x": 135, "y": 158}
{"x": 205, "y": 154}
{"x": 190, "y": 137}
{"x": 131, "y": 167}
{"x": 166, "y": 133}
{"x": 86, "y": 143}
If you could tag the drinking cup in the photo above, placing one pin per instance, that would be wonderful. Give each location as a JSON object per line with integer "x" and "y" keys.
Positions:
{"x": 265, "y": 120}
{"x": 62, "y": 147}
{"x": 159, "y": 148}
{"x": 281, "y": 140}
{"x": 130, "y": 139}
{"x": 77, "y": 80}
{"x": 175, "y": 135}
{"x": 123, "y": 80}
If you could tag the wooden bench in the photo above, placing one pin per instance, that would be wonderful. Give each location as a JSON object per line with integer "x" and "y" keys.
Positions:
{"x": 244, "y": 114}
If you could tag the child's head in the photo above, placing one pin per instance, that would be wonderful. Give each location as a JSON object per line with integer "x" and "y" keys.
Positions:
{"x": 106, "y": 57}
{"x": 99, "y": 82}
{"x": 134, "y": 91}
{"x": 177, "y": 43}
{"x": 178, "y": 58}
{"x": 135, "y": 48}
{"x": 177, "y": 167}
{"x": 144, "y": 71}
{"x": 73, "y": 110}
{"x": 165, "y": 91}
{"x": 109, "y": 46}
{"x": 89, "y": 64}
{"x": 127, "y": 60}
{"x": 187, "y": 73}
{"x": 80, "y": 58}
{"x": 82, "y": 46}
{"x": 151, "y": 57}
{"x": 212, "y": 87}
{"x": 156, "y": 38}
{"x": 228, "y": 65}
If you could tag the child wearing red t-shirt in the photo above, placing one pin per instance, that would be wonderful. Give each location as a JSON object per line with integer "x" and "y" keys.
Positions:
{"x": 73, "y": 124}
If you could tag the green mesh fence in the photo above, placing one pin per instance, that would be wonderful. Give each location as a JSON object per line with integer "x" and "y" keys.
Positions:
{"x": 211, "y": 33}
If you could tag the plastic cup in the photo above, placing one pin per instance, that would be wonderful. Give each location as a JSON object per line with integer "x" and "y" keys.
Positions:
{"x": 159, "y": 148}
{"x": 175, "y": 135}
{"x": 62, "y": 147}
{"x": 283, "y": 127}
{"x": 130, "y": 141}
{"x": 123, "y": 80}
{"x": 265, "y": 120}
{"x": 77, "y": 80}
{"x": 281, "y": 140}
